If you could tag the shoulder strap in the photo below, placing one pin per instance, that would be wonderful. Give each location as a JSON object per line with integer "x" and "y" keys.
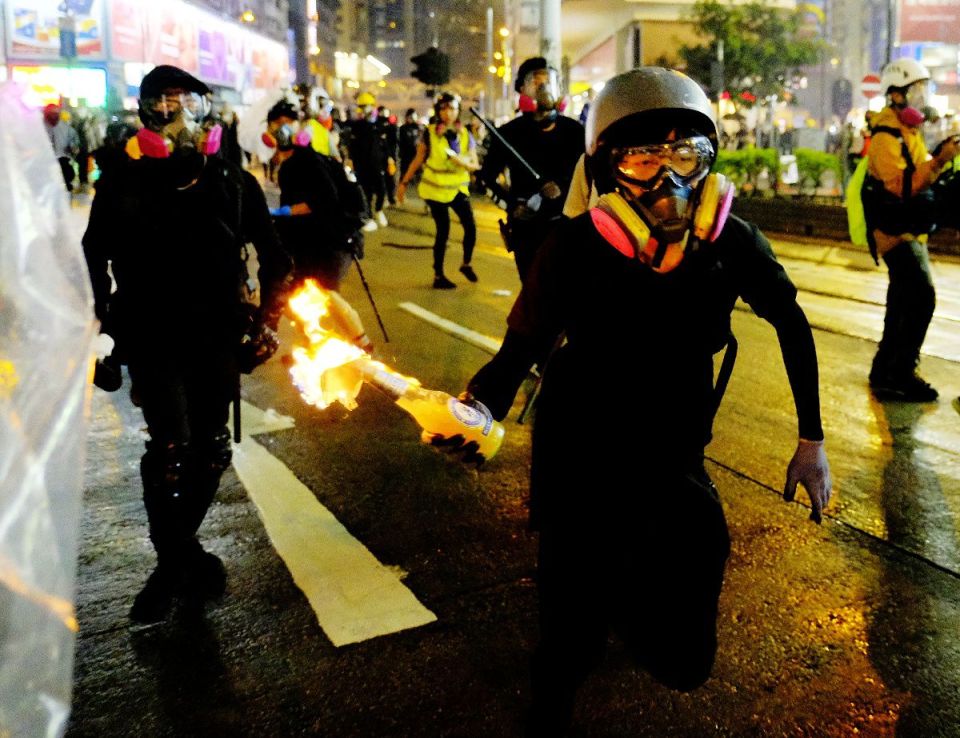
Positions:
{"x": 907, "y": 191}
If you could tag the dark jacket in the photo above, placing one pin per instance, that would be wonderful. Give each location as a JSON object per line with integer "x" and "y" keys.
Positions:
{"x": 632, "y": 388}
{"x": 172, "y": 231}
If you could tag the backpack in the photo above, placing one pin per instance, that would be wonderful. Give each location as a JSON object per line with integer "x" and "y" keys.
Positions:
{"x": 350, "y": 195}
{"x": 880, "y": 209}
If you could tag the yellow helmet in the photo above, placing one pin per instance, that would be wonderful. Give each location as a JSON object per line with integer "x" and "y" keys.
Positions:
{"x": 365, "y": 99}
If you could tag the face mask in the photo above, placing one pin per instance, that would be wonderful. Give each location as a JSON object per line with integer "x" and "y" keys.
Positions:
{"x": 622, "y": 226}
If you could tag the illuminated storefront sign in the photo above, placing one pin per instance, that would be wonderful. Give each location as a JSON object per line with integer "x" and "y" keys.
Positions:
{"x": 78, "y": 85}
{"x": 33, "y": 28}
{"x": 215, "y": 50}
{"x": 927, "y": 21}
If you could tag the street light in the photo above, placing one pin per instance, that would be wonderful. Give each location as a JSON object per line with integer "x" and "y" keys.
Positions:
{"x": 247, "y": 16}
{"x": 504, "y": 32}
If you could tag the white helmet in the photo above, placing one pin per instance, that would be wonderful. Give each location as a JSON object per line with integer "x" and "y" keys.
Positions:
{"x": 902, "y": 73}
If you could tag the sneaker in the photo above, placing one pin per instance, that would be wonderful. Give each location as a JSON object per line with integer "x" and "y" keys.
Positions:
{"x": 467, "y": 271}
{"x": 440, "y": 282}
{"x": 912, "y": 388}
{"x": 382, "y": 219}
{"x": 370, "y": 225}
{"x": 152, "y": 604}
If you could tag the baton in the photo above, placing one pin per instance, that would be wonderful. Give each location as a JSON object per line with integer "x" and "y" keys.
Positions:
{"x": 510, "y": 150}
{"x": 376, "y": 312}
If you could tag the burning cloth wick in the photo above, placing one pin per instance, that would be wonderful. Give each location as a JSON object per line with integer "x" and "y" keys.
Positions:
{"x": 332, "y": 369}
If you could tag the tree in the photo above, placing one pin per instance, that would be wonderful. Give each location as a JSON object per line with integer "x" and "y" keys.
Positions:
{"x": 763, "y": 48}
{"x": 432, "y": 67}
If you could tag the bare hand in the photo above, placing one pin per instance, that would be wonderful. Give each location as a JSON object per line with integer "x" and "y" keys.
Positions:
{"x": 551, "y": 190}
{"x": 810, "y": 468}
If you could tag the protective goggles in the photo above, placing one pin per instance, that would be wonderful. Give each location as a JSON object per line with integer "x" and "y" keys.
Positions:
{"x": 195, "y": 107}
{"x": 643, "y": 165}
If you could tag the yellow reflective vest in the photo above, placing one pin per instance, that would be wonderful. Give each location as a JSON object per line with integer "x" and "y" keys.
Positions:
{"x": 442, "y": 177}
{"x": 319, "y": 136}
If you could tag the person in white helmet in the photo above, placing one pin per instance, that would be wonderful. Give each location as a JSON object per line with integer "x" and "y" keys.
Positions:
{"x": 632, "y": 533}
{"x": 899, "y": 208}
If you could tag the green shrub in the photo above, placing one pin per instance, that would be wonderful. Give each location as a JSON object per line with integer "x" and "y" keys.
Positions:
{"x": 811, "y": 165}
{"x": 744, "y": 167}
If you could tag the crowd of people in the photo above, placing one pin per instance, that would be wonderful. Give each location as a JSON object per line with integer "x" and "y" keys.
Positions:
{"x": 622, "y": 210}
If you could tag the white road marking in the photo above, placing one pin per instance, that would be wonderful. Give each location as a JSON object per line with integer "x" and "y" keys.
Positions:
{"x": 354, "y": 596}
{"x": 455, "y": 329}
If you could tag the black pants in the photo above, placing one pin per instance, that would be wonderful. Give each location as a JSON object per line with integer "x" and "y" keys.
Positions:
{"x": 911, "y": 299}
{"x": 66, "y": 168}
{"x": 373, "y": 189}
{"x": 185, "y": 400}
{"x": 441, "y": 217}
{"x": 652, "y": 573}
{"x": 525, "y": 240}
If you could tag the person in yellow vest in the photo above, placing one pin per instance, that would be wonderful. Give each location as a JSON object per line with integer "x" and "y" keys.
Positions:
{"x": 318, "y": 121}
{"x": 447, "y": 154}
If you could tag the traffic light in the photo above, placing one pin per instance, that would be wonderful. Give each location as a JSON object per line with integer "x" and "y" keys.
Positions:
{"x": 432, "y": 67}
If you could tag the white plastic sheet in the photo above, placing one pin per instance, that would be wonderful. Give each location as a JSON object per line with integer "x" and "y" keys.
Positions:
{"x": 46, "y": 332}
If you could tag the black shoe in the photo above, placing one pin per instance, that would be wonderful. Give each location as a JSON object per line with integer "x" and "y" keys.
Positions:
{"x": 205, "y": 577}
{"x": 152, "y": 604}
{"x": 912, "y": 388}
{"x": 467, "y": 271}
{"x": 442, "y": 283}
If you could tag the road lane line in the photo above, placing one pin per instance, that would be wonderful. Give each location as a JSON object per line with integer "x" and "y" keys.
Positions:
{"x": 479, "y": 340}
{"x": 354, "y": 596}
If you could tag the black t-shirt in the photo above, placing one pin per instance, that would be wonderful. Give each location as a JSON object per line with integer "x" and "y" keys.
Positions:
{"x": 553, "y": 154}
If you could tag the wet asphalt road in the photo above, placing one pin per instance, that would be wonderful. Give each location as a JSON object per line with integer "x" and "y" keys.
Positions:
{"x": 841, "y": 629}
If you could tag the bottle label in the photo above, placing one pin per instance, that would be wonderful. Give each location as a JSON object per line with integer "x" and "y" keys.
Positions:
{"x": 469, "y": 416}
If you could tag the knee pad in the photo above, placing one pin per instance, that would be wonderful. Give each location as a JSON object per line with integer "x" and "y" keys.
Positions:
{"x": 164, "y": 465}
{"x": 215, "y": 453}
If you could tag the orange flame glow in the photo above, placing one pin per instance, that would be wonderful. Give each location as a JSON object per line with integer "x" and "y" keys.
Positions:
{"x": 330, "y": 369}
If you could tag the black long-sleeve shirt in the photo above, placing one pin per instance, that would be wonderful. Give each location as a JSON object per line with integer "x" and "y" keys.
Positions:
{"x": 638, "y": 358}
{"x": 552, "y": 154}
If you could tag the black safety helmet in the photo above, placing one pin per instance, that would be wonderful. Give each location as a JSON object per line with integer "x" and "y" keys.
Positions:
{"x": 167, "y": 77}
{"x": 157, "y": 82}
{"x": 641, "y": 106}
{"x": 534, "y": 64}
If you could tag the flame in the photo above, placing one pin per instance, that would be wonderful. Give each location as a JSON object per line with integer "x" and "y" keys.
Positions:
{"x": 330, "y": 369}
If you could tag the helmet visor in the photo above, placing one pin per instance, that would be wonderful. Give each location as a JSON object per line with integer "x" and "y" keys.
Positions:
{"x": 688, "y": 159}
{"x": 918, "y": 94}
{"x": 168, "y": 106}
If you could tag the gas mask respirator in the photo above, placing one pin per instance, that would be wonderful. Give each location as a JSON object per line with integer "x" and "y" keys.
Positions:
{"x": 665, "y": 203}
{"x": 546, "y": 102}
{"x": 916, "y": 97}
{"x": 177, "y": 122}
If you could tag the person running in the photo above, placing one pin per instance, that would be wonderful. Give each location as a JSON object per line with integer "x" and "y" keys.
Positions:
{"x": 447, "y": 154}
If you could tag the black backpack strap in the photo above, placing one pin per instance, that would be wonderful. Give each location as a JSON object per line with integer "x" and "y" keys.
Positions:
{"x": 723, "y": 375}
{"x": 907, "y": 191}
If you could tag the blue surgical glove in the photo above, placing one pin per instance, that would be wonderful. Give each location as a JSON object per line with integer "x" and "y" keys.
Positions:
{"x": 281, "y": 211}
{"x": 810, "y": 468}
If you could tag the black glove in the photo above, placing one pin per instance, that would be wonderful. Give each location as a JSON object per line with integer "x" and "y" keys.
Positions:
{"x": 256, "y": 347}
{"x": 458, "y": 446}
{"x": 107, "y": 374}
